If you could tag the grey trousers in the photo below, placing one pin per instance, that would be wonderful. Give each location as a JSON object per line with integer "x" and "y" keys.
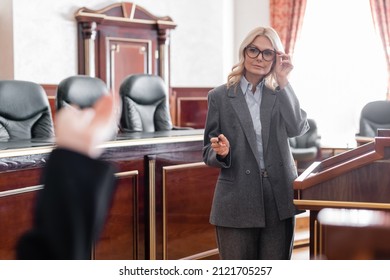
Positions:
{"x": 274, "y": 242}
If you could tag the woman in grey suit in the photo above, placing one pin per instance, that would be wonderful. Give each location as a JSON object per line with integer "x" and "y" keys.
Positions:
{"x": 246, "y": 135}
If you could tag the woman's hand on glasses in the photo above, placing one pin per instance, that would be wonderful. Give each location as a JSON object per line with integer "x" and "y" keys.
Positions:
{"x": 283, "y": 67}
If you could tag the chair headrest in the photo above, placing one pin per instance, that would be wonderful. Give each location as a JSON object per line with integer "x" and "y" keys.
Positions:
{"x": 377, "y": 112}
{"x": 143, "y": 89}
{"x": 80, "y": 90}
{"x": 20, "y": 100}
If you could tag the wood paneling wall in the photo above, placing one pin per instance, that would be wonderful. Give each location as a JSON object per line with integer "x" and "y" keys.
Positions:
{"x": 189, "y": 106}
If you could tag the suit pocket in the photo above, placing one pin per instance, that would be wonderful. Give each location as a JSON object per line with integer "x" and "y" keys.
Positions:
{"x": 226, "y": 174}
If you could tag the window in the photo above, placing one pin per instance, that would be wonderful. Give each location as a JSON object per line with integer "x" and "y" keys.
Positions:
{"x": 339, "y": 66}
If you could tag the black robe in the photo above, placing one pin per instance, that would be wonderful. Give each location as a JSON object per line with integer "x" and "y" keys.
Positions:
{"x": 71, "y": 209}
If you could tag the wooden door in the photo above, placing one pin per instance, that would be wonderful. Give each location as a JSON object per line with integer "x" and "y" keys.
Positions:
{"x": 128, "y": 56}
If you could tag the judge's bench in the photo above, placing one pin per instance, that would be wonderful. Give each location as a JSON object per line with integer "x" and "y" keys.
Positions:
{"x": 160, "y": 208}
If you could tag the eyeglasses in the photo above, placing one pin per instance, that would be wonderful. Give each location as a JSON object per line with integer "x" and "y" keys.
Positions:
{"x": 253, "y": 52}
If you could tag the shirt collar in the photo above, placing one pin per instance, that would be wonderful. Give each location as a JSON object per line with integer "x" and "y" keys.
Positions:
{"x": 245, "y": 85}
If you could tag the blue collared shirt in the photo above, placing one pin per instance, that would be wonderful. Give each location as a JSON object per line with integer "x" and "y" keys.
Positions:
{"x": 253, "y": 100}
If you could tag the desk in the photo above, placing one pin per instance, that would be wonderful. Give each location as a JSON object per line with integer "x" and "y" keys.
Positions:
{"x": 160, "y": 209}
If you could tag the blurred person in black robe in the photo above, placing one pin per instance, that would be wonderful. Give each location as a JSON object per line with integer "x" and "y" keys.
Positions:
{"x": 72, "y": 207}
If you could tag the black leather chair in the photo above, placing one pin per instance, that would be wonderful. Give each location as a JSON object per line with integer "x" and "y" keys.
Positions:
{"x": 145, "y": 104}
{"x": 374, "y": 115}
{"x": 24, "y": 111}
{"x": 80, "y": 90}
{"x": 306, "y": 148}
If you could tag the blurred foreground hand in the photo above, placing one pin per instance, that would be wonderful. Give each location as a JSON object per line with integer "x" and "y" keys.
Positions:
{"x": 83, "y": 130}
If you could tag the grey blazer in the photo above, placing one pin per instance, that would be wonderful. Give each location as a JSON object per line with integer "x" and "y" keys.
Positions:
{"x": 238, "y": 198}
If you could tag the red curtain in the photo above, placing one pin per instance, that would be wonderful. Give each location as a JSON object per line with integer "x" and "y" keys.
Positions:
{"x": 380, "y": 10}
{"x": 286, "y": 19}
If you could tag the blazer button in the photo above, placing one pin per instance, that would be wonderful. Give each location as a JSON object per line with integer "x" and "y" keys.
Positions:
{"x": 247, "y": 172}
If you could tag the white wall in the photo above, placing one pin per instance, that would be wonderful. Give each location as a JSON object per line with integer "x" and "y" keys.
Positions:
{"x": 203, "y": 45}
{"x": 248, "y": 15}
{"x": 200, "y": 47}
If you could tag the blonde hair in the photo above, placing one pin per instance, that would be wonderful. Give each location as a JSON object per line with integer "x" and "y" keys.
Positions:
{"x": 238, "y": 70}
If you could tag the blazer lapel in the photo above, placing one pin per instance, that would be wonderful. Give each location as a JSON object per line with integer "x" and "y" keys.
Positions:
{"x": 267, "y": 104}
{"x": 240, "y": 107}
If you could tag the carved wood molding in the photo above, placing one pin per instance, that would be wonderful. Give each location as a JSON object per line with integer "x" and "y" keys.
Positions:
{"x": 124, "y": 13}
{"x": 121, "y": 21}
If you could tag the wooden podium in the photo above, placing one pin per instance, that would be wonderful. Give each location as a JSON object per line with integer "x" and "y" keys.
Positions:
{"x": 356, "y": 179}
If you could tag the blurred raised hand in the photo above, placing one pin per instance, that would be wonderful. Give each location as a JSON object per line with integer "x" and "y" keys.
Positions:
{"x": 84, "y": 130}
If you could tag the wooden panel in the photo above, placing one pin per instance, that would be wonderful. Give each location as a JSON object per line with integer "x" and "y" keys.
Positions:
{"x": 19, "y": 179}
{"x": 187, "y": 196}
{"x": 353, "y": 185}
{"x": 163, "y": 160}
{"x": 123, "y": 236}
{"x": 52, "y": 102}
{"x": 189, "y": 106}
{"x": 50, "y": 89}
{"x": 192, "y": 111}
{"x": 128, "y": 56}
{"x": 119, "y": 238}
{"x": 191, "y": 91}
{"x": 51, "y": 92}
{"x": 16, "y": 217}
{"x": 347, "y": 234}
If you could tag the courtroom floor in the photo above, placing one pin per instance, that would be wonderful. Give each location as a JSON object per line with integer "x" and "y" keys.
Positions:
{"x": 301, "y": 249}
{"x": 302, "y": 253}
